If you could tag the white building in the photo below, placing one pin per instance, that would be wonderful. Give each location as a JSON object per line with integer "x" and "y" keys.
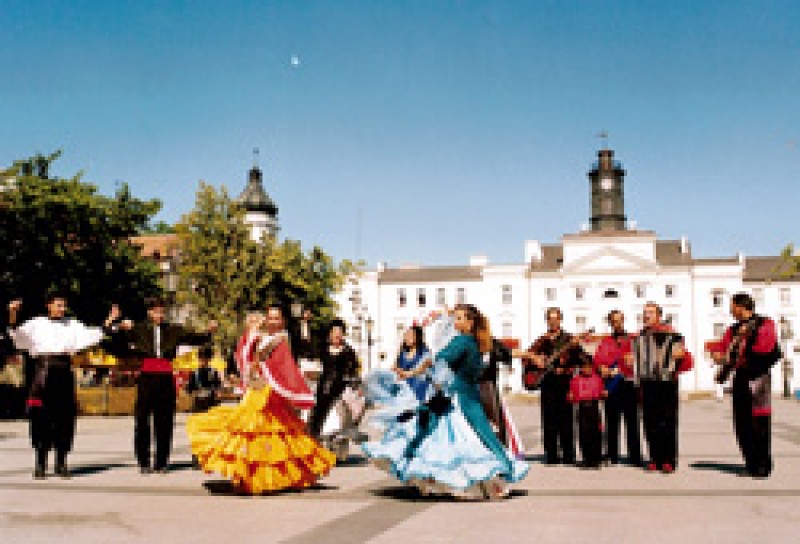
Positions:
{"x": 586, "y": 275}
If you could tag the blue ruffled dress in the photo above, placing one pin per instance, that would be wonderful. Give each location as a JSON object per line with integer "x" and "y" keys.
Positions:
{"x": 421, "y": 385}
{"x": 450, "y": 448}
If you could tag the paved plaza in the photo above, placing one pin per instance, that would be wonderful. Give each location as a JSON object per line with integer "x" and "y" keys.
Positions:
{"x": 107, "y": 500}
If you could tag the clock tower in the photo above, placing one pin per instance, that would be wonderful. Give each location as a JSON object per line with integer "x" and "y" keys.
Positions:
{"x": 608, "y": 203}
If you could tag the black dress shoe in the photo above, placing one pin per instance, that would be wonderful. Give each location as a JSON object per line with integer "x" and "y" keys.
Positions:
{"x": 145, "y": 470}
{"x": 39, "y": 473}
{"x": 161, "y": 470}
{"x": 63, "y": 471}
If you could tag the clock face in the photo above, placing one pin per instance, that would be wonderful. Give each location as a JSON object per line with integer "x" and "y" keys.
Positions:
{"x": 607, "y": 184}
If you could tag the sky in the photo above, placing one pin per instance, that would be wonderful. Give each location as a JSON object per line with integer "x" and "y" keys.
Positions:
{"x": 423, "y": 131}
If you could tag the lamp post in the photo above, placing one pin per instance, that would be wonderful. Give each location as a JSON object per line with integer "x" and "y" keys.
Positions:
{"x": 786, "y": 366}
{"x": 369, "y": 323}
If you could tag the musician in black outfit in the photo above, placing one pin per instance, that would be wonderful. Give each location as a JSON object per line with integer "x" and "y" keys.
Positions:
{"x": 558, "y": 417}
{"x": 339, "y": 365}
{"x": 155, "y": 343}
{"x": 659, "y": 386}
{"x": 751, "y": 344}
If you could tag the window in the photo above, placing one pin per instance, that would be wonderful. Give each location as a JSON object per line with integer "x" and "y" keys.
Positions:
{"x": 401, "y": 298}
{"x": 786, "y": 296}
{"x": 672, "y": 319}
{"x": 356, "y": 334}
{"x": 670, "y": 291}
{"x": 580, "y": 293}
{"x": 639, "y": 321}
{"x": 640, "y": 289}
{"x": 507, "y": 329}
{"x": 719, "y": 330}
{"x": 580, "y": 323}
{"x": 421, "y": 298}
{"x": 758, "y": 296}
{"x": 400, "y": 329}
{"x": 786, "y": 331}
{"x": 611, "y": 293}
{"x": 441, "y": 298}
{"x": 717, "y": 298}
{"x": 506, "y": 289}
{"x": 461, "y": 295}
{"x": 550, "y": 294}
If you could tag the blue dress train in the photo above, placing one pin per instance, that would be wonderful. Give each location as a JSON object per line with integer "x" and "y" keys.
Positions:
{"x": 446, "y": 444}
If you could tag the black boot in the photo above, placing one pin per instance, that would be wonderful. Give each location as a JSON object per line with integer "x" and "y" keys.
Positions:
{"x": 61, "y": 465}
{"x": 40, "y": 470}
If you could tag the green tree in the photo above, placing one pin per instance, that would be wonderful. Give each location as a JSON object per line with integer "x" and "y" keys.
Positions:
{"x": 61, "y": 234}
{"x": 224, "y": 274}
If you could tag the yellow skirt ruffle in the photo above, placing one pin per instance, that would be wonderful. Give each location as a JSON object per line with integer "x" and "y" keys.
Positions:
{"x": 259, "y": 444}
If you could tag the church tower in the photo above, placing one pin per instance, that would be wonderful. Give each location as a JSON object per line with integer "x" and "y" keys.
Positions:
{"x": 608, "y": 203}
{"x": 261, "y": 213}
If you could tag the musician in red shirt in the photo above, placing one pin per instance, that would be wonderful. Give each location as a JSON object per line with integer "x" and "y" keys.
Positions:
{"x": 613, "y": 361}
{"x": 751, "y": 346}
{"x": 561, "y": 350}
{"x": 660, "y": 356}
{"x": 585, "y": 391}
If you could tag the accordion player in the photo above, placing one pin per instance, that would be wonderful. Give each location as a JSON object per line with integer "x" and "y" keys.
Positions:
{"x": 657, "y": 355}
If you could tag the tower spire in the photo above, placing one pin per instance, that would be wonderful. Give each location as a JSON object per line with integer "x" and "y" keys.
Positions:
{"x": 255, "y": 157}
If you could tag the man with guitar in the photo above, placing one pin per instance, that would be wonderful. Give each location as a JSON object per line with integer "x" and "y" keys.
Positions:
{"x": 749, "y": 349}
{"x": 554, "y": 356}
{"x": 613, "y": 362}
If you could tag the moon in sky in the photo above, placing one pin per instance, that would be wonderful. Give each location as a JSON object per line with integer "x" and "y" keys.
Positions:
{"x": 295, "y": 60}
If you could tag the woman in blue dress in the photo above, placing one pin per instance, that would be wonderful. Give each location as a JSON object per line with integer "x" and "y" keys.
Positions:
{"x": 413, "y": 361}
{"x": 447, "y": 444}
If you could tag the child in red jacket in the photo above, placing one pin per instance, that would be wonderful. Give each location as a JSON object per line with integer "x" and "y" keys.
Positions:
{"x": 586, "y": 390}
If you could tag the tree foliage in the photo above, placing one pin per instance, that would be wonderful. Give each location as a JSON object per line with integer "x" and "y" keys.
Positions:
{"x": 224, "y": 274}
{"x": 61, "y": 234}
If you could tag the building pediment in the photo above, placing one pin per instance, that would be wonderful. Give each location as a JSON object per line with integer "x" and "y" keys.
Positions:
{"x": 608, "y": 258}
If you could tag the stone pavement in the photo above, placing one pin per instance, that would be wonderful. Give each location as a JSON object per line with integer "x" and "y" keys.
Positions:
{"x": 109, "y": 501}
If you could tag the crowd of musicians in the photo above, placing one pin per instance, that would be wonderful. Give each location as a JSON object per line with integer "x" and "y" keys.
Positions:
{"x": 630, "y": 379}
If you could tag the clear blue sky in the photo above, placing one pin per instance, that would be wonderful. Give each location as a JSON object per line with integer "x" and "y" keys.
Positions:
{"x": 456, "y": 127}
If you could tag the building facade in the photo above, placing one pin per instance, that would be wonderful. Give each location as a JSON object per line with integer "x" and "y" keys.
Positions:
{"x": 587, "y": 274}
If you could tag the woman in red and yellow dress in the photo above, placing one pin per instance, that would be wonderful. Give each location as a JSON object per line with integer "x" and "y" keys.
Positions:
{"x": 261, "y": 444}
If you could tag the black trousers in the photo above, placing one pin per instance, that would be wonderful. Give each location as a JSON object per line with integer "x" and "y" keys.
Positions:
{"x": 558, "y": 419}
{"x": 52, "y": 425}
{"x": 753, "y": 433}
{"x": 623, "y": 403}
{"x": 326, "y": 398}
{"x": 156, "y": 398}
{"x": 660, "y": 415}
{"x": 490, "y": 400}
{"x": 589, "y": 433}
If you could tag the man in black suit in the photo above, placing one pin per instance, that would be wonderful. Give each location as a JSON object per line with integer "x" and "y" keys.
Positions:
{"x": 154, "y": 343}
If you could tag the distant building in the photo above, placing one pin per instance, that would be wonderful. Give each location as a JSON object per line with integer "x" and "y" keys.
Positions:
{"x": 587, "y": 274}
{"x": 261, "y": 212}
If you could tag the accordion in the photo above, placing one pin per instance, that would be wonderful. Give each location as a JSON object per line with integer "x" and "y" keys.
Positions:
{"x": 653, "y": 354}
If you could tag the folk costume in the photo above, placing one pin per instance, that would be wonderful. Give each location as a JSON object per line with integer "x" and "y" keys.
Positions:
{"x": 339, "y": 368}
{"x": 623, "y": 396}
{"x": 261, "y": 444}
{"x": 155, "y": 346}
{"x": 586, "y": 392}
{"x": 558, "y": 428}
{"x": 756, "y": 352}
{"x": 657, "y": 368}
{"x": 445, "y": 445}
{"x": 52, "y": 399}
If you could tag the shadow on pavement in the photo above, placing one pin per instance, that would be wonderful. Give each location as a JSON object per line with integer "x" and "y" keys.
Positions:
{"x": 182, "y": 465}
{"x": 727, "y": 468}
{"x": 226, "y": 487}
{"x": 88, "y": 470}
{"x": 412, "y": 494}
